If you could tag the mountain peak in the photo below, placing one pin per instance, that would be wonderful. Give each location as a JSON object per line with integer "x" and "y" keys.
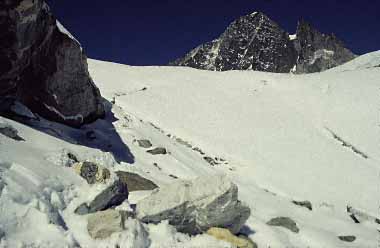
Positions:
{"x": 256, "y": 42}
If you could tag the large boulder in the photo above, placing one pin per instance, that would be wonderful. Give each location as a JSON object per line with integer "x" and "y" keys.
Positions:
{"x": 43, "y": 66}
{"x": 112, "y": 196}
{"x": 135, "y": 182}
{"x": 195, "y": 206}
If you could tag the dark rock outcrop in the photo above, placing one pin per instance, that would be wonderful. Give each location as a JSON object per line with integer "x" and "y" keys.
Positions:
{"x": 252, "y": 42}
{"x": 318, "y": 52}
{"x": 349, "y": 238}
{"x": 305, "y": 204}
{"x": 112, "y": 196}
{"x": 255, "y": 42}
{"x": 43, "y": 66}
{"x": 157, "y": 151}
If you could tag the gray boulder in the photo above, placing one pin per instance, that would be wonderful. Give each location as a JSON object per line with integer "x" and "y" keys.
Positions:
{"x": 195, "y": 206}
{"x": 112, "y": 196}
{"x": 284, "y": 222}
{"x": 135, "y": 182}
{"x": 43, "y": 66}
{"x": 10, "y": 132}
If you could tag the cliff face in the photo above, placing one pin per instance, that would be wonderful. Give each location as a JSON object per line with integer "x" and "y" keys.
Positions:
{"x": 43, "y": 66}
{"x": 255, "y": 42}
{"x": 318, "y": 52}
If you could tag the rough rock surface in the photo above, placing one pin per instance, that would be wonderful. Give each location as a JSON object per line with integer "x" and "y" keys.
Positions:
{"x": 135, "y": 182}
{"x": 285, "y": 222}
{"x": 195, "y": 206}
{"x": 92, "y": 172}
{"x": 252, "y": 42}
{"x": 255, "y": 42}
{"x": 43, "y": 66}
{"x": 318, "y": 52}
{"x": 112, "y": 196}
{"x": 226, "y": 235}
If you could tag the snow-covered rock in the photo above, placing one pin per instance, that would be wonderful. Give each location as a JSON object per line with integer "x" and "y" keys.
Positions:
{"x": 195, "y": 206}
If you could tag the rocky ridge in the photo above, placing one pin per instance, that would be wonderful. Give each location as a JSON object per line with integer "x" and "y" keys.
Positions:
{"x": 255, "y": 42}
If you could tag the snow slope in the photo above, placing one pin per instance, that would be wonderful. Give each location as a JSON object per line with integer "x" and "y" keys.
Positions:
{"x": 305, "y": 137}
{"x": 365, "y": 61}
{"x": 279, "y": 137}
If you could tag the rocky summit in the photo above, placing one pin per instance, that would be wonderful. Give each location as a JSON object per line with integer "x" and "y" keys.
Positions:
{"x": 43, "y": 66}
{"x": 255, "y": 42}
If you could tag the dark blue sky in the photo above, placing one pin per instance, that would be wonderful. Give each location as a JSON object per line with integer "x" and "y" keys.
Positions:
{"x": 154, "y": 32}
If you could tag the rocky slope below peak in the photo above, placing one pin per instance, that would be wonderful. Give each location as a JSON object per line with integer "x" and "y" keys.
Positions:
{"x": 43, "y": 66}
{"x": 255, "y": 42}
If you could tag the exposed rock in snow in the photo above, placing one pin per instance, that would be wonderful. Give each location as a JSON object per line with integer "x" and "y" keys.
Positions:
{"x": 305, "y": 204}
{"x": 112, "y": 196}
{"x": 349, "y": 238}
{"x": 43, "y": 67}
{"x": 157, "y": 150}
{"x": 195, "y": 206}
{"x": 135, "y": 182}
{"x": 93, "y": 173}
{"x": 10, "y": 132}
{"x": 226, "y": 235}
{"x": 285, "y": 222}
{"x": 144, "y": 143}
